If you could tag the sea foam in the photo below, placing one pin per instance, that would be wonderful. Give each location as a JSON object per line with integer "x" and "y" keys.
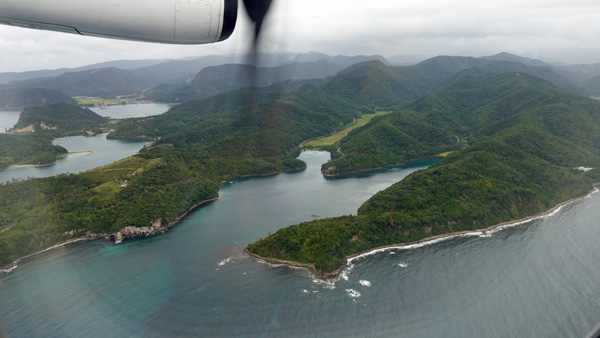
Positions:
{"x": 225, "y": 261}
{"x": 364, "y": 282}
{"x": 9, "y": 269}
{"x": 353, "y": 293}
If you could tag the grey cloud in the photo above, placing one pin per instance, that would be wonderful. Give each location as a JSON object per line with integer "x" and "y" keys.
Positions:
{"x": 567, "y": 31}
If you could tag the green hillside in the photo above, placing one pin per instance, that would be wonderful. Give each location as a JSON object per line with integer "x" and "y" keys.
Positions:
{"x": 201, "y": 143}
{"x": 27, "y": 149}
{"x": 22, "y": 97}
{"x": 224, "y": 78}
{"x": 525, "y": 139}
{"x": 464, "y": 112}
{"x": 104, "y": 82}
{"x": 60, "y": 119}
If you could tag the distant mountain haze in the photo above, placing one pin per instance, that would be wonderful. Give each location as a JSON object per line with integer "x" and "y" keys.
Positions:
{"x": 184, "y": 80}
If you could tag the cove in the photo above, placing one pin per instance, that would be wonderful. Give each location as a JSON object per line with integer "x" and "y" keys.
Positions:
{"x": 132, "y": 110}
{"x": 535, "y": 279}
{"x": 89, "y": 153}
{"x": 8, "y": 118}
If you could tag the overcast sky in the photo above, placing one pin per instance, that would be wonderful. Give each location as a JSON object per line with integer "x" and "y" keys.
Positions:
{"x": 566, "y": 31}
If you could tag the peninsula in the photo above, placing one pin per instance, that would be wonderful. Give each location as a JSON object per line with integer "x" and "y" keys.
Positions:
{"x": 516, "y": 141}
{"x": 526, "y": 142}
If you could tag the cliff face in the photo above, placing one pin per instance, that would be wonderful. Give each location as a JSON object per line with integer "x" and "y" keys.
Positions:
{"x": 131, "y": 232}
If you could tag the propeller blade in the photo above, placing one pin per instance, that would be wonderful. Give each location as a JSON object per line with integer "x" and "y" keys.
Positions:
{"x": 257, "y": 11}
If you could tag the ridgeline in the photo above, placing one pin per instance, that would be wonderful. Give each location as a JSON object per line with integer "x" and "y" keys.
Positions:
{"x": 60, "y": 119}
{"x": 516, "y": 139}
{"x": 525, "y": 139}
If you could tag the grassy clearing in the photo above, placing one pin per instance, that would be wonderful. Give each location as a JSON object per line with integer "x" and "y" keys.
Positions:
{"x": 118, "y": 170}
{"x": 333, "y": 139}
{"x": 446, "y": 153}
{"x": 85, "y": 100}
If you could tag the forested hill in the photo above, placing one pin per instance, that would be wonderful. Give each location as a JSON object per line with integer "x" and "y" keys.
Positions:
{"x": 361, "y": 87}
{"x": 372, "y": 82}
{"x": 461, "y": 113}
{"x": 28, "y": 149}
{"x": 103, "y": 82}
{"x": 302, "y": 114}
{"x": 224, "y": 78}
{"x": 375, "y": 83}
{"x": 201, "y": 145}
{"x": 11, "y": 98}
{"x": 59, "y": 119}
{"x": 523, "y": 140}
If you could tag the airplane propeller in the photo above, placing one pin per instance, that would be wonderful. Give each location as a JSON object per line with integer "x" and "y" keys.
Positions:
{"x": 257, "y": 11}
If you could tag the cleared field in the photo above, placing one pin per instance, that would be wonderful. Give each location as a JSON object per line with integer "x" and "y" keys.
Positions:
{"x": 97, "y": 100}
{"x": 333, "y": 139}
{"x": 445, "y": 154}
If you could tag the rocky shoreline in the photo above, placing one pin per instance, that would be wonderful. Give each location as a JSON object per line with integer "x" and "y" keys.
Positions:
{"x": 131, "y": 232}
{"x": 127, "y": 233}
{"x": 323, "y": 276}
{"x": 335, "y": 275}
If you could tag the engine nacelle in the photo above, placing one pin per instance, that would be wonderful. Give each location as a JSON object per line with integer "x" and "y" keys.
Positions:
{"x": 164, "y": 21}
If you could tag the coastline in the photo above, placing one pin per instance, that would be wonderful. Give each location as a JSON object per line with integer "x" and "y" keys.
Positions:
{"x": 32, "y": 165}
{"x": 111, "y": 237}
{"x": 399, "y": 164}
{"x": 129, "y": 233}
{"x": 86, "y": 152}
{"x": 322, "y": 276}
{"x": 10, "y": 267}
{"x": 148, "y": 231}
{"x": 349, "y": 260}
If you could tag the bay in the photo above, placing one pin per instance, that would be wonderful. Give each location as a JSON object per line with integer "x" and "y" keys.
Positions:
{"x": 537, "y": 279}
{"x": 8, "y": 118}
{"x": 103, "y": 151}
{"x": 132, "y": 110}
{"x": 96, "y": 151}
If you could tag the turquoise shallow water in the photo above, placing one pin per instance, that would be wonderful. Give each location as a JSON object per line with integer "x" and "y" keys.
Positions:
{"x": 538, "y": 279}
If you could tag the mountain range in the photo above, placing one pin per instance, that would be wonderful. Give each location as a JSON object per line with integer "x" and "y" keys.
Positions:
{"x": 183, "y": 80}
{"x": 518, "y": 132}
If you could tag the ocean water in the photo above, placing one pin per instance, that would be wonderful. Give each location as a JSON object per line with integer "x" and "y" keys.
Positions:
{"x": 538, "y": 279}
